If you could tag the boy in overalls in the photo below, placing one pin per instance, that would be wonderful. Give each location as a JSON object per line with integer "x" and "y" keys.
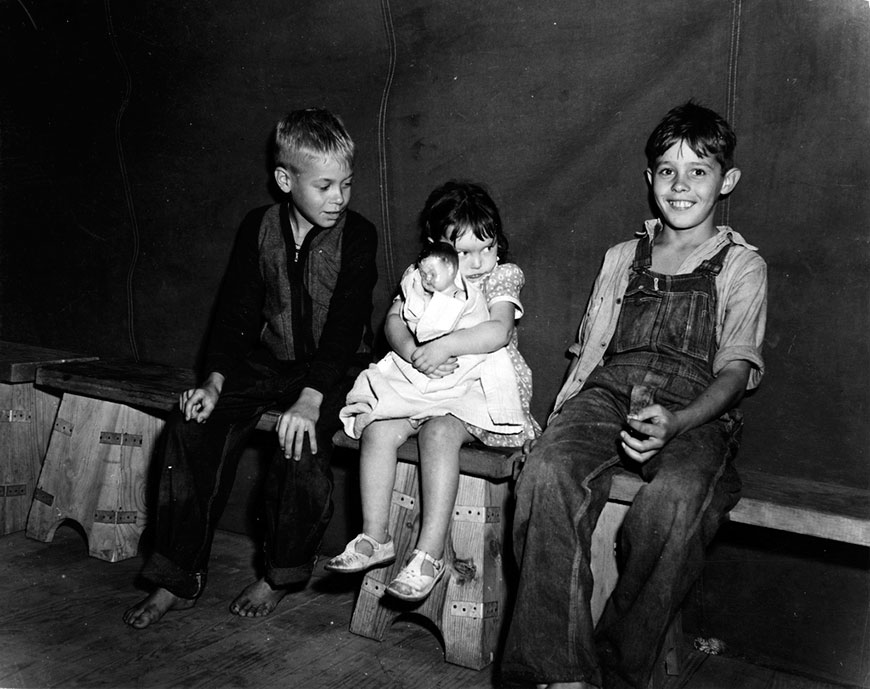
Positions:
{"x": 670, "y": 342}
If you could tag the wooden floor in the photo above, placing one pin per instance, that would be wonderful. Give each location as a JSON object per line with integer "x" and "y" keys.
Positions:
{"x": 60, "y": 626}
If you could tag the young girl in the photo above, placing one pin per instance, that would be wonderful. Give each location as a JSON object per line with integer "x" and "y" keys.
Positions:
{"x": 464, "y": 215}
{"x": 437, "y": 300}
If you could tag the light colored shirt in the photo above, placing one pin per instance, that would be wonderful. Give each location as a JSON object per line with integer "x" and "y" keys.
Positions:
{"x": 741, "y": 309}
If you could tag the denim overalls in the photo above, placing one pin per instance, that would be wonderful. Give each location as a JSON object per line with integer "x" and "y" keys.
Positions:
{"x": 665, "y": 339}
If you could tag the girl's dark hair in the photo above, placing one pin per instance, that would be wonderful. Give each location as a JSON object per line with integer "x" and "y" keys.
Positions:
{"x": 704, "y": 131}
{"x": 457, "y": 207}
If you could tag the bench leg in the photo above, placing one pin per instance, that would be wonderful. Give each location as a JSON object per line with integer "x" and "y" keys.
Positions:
{"x": 468, "y": 603}
{"x": 475, "y": 600}
{"x": 26, "y": 418}
{"x": 95, "y": 473}
{"x": 370, "y": 618}
{"x": 605, "y": 574}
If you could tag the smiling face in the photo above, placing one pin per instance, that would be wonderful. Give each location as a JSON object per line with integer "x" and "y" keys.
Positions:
{"x": 477, "y": 257}
{"x": 686, "y": 187}
{"x": 320, "y": 186}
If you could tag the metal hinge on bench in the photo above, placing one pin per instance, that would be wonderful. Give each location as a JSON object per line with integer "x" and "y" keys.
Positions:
{"x": 16, "y": 416}
{"x": 403, "y": 500}
{"x": 12, "y": 491}
{"x": 43, "y": 497}
{"x": 476, "y": 513}
{"x": 476, "y": 610}
{"x": 116, "y": 517}
{"x": 112, "y": 438}
{"x": 63, "y": 426}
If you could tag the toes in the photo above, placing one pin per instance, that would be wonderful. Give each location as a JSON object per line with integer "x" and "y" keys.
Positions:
{"x": 263, "y": 610}
{"x": 257, "y": 600}
{"x": 140, "y": 617}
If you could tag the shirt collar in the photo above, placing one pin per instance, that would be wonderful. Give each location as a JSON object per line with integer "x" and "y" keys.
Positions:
{"x": 724, "y": 234}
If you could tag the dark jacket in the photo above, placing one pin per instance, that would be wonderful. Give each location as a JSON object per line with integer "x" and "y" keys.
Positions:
{"x": 314, "y": 308}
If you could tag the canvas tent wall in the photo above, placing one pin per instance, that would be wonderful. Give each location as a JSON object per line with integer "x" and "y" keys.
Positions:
{"x": 133, "y": 137}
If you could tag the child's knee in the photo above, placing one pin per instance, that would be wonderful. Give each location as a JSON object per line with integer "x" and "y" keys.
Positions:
{"x": 385, "y": 434}
{"x": 443, "y": 432}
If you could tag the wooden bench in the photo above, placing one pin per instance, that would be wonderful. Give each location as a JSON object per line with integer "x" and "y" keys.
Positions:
{"x": 796, "y": 505}
{"x": 112, "y": 412}
{"x": 467, "y": 605}
{"x": 26, "y": 418}
{"x": 110, "y": 417}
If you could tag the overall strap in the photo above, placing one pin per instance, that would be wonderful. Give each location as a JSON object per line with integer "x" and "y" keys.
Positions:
{"x": 714, "y": 265}
{"x": 642, "y": 255}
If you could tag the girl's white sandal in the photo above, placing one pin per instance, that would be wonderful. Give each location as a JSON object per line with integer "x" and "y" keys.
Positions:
{"x": 411, "y": 584}
{"x": 351, "y": 560}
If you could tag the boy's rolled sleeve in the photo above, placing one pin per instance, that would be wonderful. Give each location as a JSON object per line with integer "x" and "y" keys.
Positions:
{"x": 742, "y": 314}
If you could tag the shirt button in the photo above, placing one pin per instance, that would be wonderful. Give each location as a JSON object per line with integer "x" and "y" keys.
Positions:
{"x": 619, "y": 301}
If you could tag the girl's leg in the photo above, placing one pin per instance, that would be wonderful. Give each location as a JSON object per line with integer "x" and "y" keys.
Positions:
{"x": 374, "y": 545}
{"x": 440, "y": 440}
{"x": 378, "y": 446}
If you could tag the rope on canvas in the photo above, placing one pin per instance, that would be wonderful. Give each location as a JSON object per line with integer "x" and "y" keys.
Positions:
{"x": 383, "y": 178}
{"x": 731, "y": 93}
{"x": 128, "y": 192}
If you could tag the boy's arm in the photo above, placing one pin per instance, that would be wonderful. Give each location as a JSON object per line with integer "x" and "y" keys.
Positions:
{"x": 349, "y": 310}
{"x": 659, "y": 425}
{"x": 236, "y": 327}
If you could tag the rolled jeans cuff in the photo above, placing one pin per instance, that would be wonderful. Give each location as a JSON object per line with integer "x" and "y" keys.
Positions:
{"x": 160, "y": 570}
{"x": 287, "y": 576}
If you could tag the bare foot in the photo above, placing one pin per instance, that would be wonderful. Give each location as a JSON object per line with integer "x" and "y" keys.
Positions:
{"x": 257, "y": 600}
{"x": 148, "y": 610}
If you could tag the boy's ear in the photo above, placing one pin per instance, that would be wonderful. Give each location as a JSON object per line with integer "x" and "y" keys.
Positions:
{"x": 729, "y": 181}
{"x": 284, "y": 180}
{"x": 648, "y": 174}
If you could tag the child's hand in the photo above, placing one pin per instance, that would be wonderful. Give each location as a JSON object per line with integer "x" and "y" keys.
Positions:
{"x": 655, "y": 426}
{"x": 445, "y": 369}
{"x": 433, "y": 359}
{"x": 297, "y": 421}
{"x": 197, "y": 404}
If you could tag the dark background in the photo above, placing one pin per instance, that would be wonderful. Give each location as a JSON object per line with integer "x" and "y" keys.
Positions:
{"x": 133, "y": 139}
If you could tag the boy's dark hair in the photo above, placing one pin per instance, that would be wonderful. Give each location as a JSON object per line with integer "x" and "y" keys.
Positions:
{"x": 440, "y": 250}
{"x": 313, "y": 132}
{"x": 704, "y": 131}
{"x": 458, "y": 206}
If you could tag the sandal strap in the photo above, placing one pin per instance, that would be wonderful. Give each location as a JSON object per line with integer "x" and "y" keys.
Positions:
{"x": 368, "y": 539}
{"x": 437, "y": 565}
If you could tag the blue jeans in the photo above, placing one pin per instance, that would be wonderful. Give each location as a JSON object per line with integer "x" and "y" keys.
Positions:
{"x": 689, "y": 486}
{"x": 198, "y": 468}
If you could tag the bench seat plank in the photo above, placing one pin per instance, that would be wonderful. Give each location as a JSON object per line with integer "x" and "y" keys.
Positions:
{"x": 18, "y": 362}
{"x": 149, "y": 386}
{"x": 812, "y": 508}
{"x": 493, "y": 463}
